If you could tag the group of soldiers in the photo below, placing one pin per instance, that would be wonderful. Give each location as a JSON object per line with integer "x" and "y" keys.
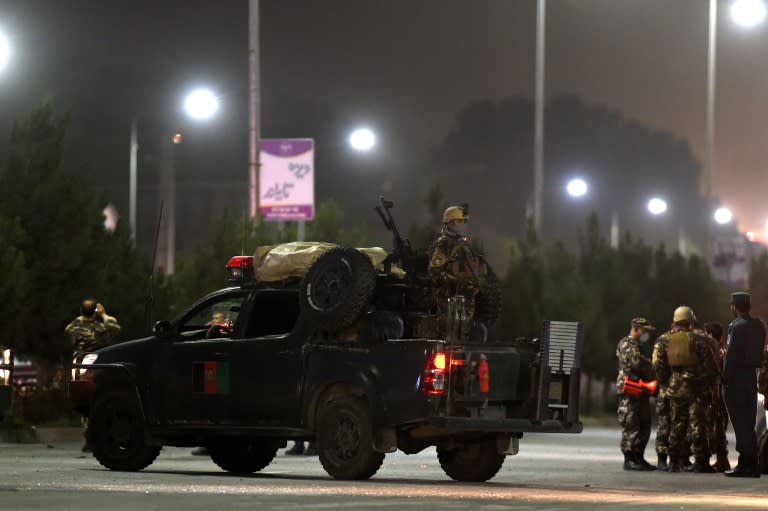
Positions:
{"x": 700, "y": 380}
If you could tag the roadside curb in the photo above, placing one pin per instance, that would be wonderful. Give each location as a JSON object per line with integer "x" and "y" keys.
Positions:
{"x": 41, "y": 434}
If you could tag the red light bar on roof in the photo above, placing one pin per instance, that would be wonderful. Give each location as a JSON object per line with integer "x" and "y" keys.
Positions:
{"x": 240, "y": 262}
{"x": 240, "y": 269}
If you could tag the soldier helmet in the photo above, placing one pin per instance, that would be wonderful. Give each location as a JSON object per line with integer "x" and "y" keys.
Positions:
{"x": 683, "y": 313}
{"x": 455, "y": 213}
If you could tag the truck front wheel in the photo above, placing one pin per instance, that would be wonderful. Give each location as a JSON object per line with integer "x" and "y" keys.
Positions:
{"x": 472, "y": 461}
{"x": 345, "y": 439}
{"x": 241, "y": 456}
{"x": 117, "y": 433}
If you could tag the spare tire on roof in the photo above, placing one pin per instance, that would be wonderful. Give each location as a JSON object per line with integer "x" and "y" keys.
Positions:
{"x": 336, "y": 288}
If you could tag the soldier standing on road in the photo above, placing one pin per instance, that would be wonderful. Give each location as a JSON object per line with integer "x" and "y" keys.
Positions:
{"x": 744, "y": 354}
{"x": 663, "y": 413}
{"x": 686, "y": 365}
{"x": 454, "y": 263}
{"x": 634, "y": 412}
{"x": 91, "y": 330}
{"x": 718, "y": 418}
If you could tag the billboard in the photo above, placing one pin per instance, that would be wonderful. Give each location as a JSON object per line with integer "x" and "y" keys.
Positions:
{"x": 287, "y": 179}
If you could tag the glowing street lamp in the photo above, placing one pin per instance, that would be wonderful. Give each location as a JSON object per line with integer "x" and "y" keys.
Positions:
{"x": 657, "y": 206}
{"x": 723, "y": 216}
{"x": 5, "y": 51}
{"x": 201, "y": 104}
{"x": 748, "y": 13}
{"x": 577, "y": 188}
{"x": 362, "y": 139}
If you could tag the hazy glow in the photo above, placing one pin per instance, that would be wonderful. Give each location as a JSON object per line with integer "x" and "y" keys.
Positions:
{"x": 657, "y": 206}
{"x": 577, "y": 187}
{"x": 723, "y": 215}
{"x": 5, "y": 51}
{"x": 748, "y": 13}
{"x": 177, "y": 138}
{"x": 750, "y": 236}
{"x": 201, "y": 104}
{"x": 362, "y": 139}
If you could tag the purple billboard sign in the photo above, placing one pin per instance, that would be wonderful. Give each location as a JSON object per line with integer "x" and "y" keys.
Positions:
{"x": 287, "y": 179}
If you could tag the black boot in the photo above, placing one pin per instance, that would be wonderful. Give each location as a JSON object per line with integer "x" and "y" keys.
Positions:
{"x": 722, "y": 464}
{"x": 298, "y": 448}
{"x": 747, "y": 467}
{"x": 641, "y": 459}
{"x": 631, "y": 462}
{"x": 662, "y": 463}
{"x": 701, "y": 466}
{"x": 674, "y": 464}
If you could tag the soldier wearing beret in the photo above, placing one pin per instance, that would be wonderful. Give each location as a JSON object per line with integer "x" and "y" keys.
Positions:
{"x": 746, "y": 345}
{"x": 634, "y": 411}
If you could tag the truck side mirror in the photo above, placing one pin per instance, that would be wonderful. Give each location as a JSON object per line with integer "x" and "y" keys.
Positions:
{"x": 162, "y": 328}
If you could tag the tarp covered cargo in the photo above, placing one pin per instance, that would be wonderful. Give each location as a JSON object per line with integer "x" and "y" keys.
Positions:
{"x": 272, "y": 263}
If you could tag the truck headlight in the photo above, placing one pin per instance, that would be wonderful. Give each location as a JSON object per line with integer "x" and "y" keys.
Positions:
{"x": 88, "y": 359}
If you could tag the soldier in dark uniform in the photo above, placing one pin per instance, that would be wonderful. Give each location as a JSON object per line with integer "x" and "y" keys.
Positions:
{"x": 634, "y": 411}
{"x": 746, "y": 345}
{"x": 454, "y": 264}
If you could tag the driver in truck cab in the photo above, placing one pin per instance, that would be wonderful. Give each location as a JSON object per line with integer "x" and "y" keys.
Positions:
{"x": 454, "y": 264}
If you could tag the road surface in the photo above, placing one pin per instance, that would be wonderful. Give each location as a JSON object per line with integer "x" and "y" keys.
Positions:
{"x": 552, "y": 472}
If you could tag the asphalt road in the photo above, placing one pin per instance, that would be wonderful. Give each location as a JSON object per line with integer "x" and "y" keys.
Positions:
{"x": 552, "y": 472}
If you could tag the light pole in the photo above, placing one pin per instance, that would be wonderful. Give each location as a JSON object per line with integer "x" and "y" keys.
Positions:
{"x": 200, "y": 104}
{"x": 5, "y": 52}
{"x": 538, "y": 132}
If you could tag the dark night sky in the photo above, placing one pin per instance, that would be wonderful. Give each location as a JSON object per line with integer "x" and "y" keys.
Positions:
{"x": 403, "y": 66}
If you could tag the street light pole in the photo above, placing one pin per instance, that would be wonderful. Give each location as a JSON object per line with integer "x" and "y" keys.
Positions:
{"x": 711, "y": 77}
{"x": 254, "y": 134}
{"x": 538, "y": 141}
{"x": 132, "y": 179}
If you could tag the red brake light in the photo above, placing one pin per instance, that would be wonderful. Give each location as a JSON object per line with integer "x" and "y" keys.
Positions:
{"x": 240, "y": 262}
{"x": 433, "y": 379}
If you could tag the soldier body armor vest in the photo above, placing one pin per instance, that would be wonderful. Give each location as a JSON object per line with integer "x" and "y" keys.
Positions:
{"x": 681, "y": 352}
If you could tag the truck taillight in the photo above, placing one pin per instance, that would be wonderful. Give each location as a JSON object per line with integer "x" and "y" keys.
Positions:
{"x": 483, "y": 378}
{"x": 433, "y": 379}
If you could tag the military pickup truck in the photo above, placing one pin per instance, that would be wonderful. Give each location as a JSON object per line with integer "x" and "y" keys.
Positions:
{"x": 338, "y": 356}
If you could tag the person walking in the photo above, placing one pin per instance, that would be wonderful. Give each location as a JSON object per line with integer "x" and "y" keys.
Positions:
{"x": 743, "y": 356}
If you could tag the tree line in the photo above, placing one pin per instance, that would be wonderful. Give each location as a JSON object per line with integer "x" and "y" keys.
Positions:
{"x": 55, "y": 251}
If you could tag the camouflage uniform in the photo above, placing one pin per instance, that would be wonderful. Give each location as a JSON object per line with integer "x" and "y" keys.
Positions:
{"x": 685, "y": 385}
{"x": 717, "y": 415}
{"x": 663, "y": 372}
{"x": 458, "y": 269}
{"x": 92, "y": 333}
{"x": 634, "y": 412}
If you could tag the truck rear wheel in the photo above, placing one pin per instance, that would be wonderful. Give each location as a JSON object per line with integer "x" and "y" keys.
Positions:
{"x": 241, "y": 456}
{"x": 471, "y": 462}
{"x": 337, "y": 287}
{"x": 117, "y": 433}
{"x": 345, "y": 440}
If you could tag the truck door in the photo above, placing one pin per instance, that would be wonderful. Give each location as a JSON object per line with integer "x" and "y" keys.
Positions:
{"x": 272, "y": 365}
{"x": 195, "y": 377}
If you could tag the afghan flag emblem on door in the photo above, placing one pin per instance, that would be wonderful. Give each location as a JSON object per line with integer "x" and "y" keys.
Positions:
{"x": 210, "y": 377}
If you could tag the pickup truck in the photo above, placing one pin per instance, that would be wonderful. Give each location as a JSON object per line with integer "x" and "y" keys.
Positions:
{"x": 280, "y": 363}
